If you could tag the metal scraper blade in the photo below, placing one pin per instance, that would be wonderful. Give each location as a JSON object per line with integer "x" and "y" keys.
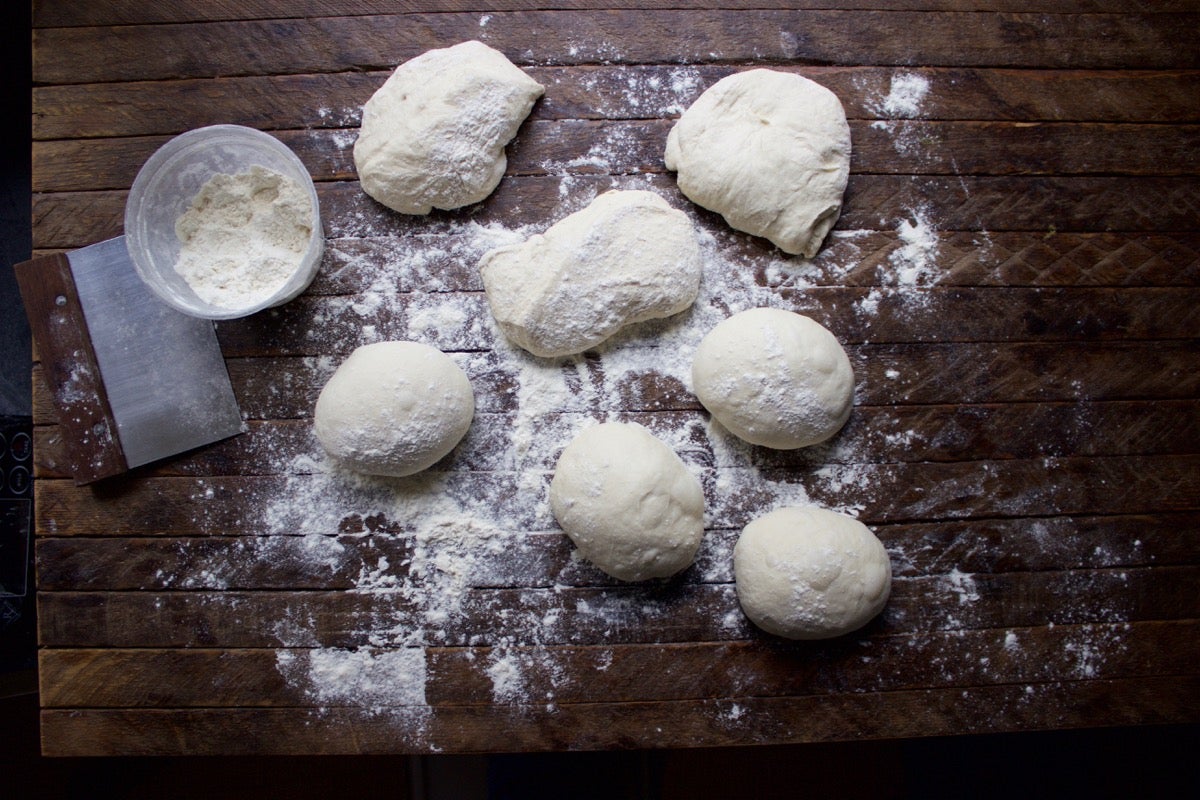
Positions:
{"x": 162, "y": 385}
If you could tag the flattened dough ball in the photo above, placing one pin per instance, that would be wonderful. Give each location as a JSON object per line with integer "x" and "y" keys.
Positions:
{"x": 433, "y": 135}
{"x": 770, "y": 152}
{"x": 394, "y": 408}
{"x": 628, "y": 257}
{"x": 810, "y": 573}
{"x": 628, "y": 502}
{"x": 774, "y": 378}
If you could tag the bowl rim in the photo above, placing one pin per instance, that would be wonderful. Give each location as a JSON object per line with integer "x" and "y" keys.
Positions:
{"x": 153, "y": 166}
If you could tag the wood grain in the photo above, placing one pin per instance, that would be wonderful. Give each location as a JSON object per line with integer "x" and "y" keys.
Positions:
{"x": 858, "y": 258}
{"x": 895, "y": 492}
{"x": 874, "y": 434}
{"x": 286, "y": 388}
{"x": 636, "y": 147}
{"x": 63, "y": 13}
{"x": 654, "y": 725}
{"x": 335, "y": 44}
{"x": 640, "y": 673}
{"x": 1025, "y": 439}
{"x": 873, "y": 202}
{"x": 543, "y": 559}
{"x": 613, "y": 92}
{"x": 674, "y": 612}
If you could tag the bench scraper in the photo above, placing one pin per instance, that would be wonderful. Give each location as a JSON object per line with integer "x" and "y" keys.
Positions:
{"x": 133, "y": 379}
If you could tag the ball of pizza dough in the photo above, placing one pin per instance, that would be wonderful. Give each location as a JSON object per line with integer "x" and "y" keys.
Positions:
{"x": 628, "y": 257}
{"x": 810, "y": 573}
{"x": 774, "y": 378}
{"x": 394, "y": 408}
{"x": 770, "y": 152}
{"x": 433, "y": 135}
{"x": 628, "y": 502}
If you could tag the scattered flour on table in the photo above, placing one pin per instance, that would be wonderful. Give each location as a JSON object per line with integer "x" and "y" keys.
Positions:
{"x": 243, "y": 236}
{"x": 462, "y": 535}
{"x": 906, "y": 93}
{"x": 903, "y": 102}
{"x": 366, "y": 676}
{"x": 432, "y": 551}
{"x": 914, "y": 263}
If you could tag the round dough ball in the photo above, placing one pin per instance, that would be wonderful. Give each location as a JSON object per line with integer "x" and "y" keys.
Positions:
{"x": 774, "y": 378}
{"x": 628, "y": 502}
{"x": 770, "y": 152}
{"x": 394, "y": 408}
{"x": 627, "y": 257}
{"x": 810, "y": 573}
{"x": 433, "y": 135}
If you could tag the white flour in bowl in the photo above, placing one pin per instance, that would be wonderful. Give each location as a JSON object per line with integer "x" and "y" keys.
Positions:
{"x": 243, "y": 236}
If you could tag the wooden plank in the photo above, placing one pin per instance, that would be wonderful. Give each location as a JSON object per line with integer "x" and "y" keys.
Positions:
{"x": 447, "y": 262}
{"x": 57, "y": 13}
{"x": 887, "y": 374}
{"x": 915, "y": 147}
{"x": 629, "y": 147}
{"x": 897, "y": 375}
{"x": 873, "y": 202}
{"x": 1030, "y": 372}
{"x": 633, "y": 673}
{"x": 310, "y": 325}
{"x": 1089, "y": 41}
{"x": 1045, "y": 543}
{"x": 874, "y": 434}
{"x": 626, "y": 614}
{"x": 585, "y": 726}
{"x": 926, "y": 491}
{"x": 632, "y": 91}
{"x": 544, "y": 559}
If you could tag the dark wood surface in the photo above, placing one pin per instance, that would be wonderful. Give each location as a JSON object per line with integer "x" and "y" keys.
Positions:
{"x": 1025, "y": 439}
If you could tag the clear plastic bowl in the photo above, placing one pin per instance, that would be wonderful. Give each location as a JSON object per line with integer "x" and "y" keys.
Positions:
{"x": 164, "y": 189}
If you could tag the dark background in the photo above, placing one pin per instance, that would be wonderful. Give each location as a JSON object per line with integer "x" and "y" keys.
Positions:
{"x": 1111, "y": 763}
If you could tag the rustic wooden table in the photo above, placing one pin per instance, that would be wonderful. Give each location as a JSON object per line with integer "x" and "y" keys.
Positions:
{"x": 1015, "y": 275}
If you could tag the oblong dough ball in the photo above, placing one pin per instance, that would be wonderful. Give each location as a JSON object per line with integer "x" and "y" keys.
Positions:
{"x": 770, "y": 152}
{"x": 628, "y": 502}
{"x": 774, "y": 378}
{"x": 628, "y": 257}
{"x": 433, "y": 135}
{"x": 810, "y": 573}
{"x": 394, "y": 408}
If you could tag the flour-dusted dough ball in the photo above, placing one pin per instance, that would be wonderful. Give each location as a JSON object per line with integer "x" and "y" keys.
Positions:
{"x": 770, "y": 152}
{"x": 394, "y": 408}
{"x": 774, "y": 378}
{"x": 626, "y": 258}
{"x": 628, "y": 502}
{"x": 810, "y": 573}
{"x": 433, "y": 136}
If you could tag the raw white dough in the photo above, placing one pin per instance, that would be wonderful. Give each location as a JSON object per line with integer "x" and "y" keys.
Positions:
{"x": 774, "y": 378}
{"x": 433, "y": 135}
{"x": 627, "y": 257}
{"x": 628, "y": 502}
{"x": 770, "y": 152}
{"x": 394, "y": 408}
{"x": 810, "y": 573}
